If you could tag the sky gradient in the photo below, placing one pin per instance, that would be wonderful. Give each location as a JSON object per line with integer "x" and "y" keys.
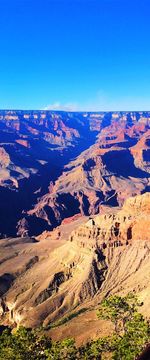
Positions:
{"x": 75, "y": 54}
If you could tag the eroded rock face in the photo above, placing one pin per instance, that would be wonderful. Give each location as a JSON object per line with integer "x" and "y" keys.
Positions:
{"x": 107, "y": 254}
{"x": 138, "y": 205}
{"x": 118, "y": 228}
{"x": 141, "y": 152}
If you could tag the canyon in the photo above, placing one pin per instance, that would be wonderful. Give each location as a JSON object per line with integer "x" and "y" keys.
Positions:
{"x": 74, "y": 217}
{"x": 55, "y": 165}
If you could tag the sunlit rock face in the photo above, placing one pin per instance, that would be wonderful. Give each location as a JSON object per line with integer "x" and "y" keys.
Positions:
{"x": 76, "y": 265}
{"x": 116, "y": 228}
{"x": 56, "y": 165}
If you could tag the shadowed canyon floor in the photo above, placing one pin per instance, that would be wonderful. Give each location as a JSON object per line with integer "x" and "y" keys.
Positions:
{"x": 59, "y": 278}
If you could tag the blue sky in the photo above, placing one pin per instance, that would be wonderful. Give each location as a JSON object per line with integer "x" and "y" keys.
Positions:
{"x": 75, "y": 54}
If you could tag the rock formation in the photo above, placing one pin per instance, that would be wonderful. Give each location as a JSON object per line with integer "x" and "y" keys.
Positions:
{"x": 44, "y": 279}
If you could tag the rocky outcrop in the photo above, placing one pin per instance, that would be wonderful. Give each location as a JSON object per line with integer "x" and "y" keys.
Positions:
{"x": 141, "y": 152}
{"x": 116, "y": 229}
{"x": 23, "y": 142}
{"x": 4, "y": 158}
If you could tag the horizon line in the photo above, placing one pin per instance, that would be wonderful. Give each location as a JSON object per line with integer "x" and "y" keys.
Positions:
{"x": 73, "y": 111}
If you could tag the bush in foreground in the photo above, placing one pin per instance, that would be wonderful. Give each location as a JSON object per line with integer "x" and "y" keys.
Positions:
{"x": 131, "y": 334}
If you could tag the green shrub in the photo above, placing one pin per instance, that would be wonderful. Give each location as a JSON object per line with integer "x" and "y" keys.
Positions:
{"x": 131, "y": 334}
